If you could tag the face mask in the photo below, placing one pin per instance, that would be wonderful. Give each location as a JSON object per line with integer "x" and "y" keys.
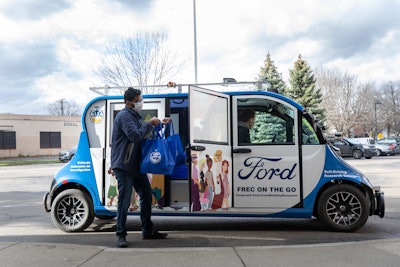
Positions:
{"x": 137, "y": 106}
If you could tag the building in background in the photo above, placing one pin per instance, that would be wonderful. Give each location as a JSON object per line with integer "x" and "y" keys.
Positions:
{"x": 37, "y": 135}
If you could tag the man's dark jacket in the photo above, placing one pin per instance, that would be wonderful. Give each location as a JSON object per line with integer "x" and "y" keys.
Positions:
{"x": 129, "y": 129}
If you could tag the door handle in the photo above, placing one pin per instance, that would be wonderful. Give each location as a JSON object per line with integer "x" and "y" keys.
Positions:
{"x": 241, "y": 150}
{"x": 198, "y": 148}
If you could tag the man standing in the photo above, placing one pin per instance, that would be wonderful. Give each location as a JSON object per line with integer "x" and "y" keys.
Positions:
{"x": 129, "y": 129}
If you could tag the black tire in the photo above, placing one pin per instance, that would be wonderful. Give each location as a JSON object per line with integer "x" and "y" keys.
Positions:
{"x": 378, "y": 152}
{"x": 357, "y": 154}
{"x": 343, "y": 208}
{"x": 72, "y": 211}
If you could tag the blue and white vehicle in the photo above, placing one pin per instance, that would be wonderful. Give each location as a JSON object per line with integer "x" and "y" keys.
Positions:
{"x": 287, "y": 171}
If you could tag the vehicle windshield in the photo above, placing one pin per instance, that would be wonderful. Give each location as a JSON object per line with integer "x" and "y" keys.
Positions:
{"x": 312, "y": 128}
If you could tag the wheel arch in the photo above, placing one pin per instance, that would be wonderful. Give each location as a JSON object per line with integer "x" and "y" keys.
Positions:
{"x": 363, "y": 188}
{"x": 71, "y": 185}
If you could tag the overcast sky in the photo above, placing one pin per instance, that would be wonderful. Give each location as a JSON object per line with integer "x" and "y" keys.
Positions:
{"x": 49, "y": 48}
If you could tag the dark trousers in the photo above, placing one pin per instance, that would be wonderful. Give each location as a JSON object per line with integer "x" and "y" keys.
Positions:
{"x": 143, "y": 188}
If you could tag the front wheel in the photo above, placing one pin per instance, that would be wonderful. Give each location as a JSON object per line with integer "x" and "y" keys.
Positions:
{"x": 357, "y": 154}
{"x": 72, "y": 211}
{"x": 343, "y": 208}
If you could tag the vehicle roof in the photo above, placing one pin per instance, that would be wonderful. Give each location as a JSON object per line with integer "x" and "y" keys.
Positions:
{"x": 185, "y": 95}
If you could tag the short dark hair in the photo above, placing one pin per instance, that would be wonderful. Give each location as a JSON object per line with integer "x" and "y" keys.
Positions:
{"x": 246, "y": 114}
{"x": 131, "y": 93}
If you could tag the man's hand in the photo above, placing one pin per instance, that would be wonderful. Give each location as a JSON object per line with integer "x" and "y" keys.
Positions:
{"x": 154, "y": 121}
{"x": 166, "y": 120}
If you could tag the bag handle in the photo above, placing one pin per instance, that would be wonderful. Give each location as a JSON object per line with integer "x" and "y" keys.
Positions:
{"x": 161, "y": 130}
{"x": 156, "y": 132}
{"x": 170, "y": 128}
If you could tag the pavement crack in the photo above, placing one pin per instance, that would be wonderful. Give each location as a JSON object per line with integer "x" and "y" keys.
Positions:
{"x": 93, "y": 256}
{"x": 237, "y": 254}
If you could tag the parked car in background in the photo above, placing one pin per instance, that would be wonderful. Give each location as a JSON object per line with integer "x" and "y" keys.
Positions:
{"x": 386, "y": 147}
{"x": 66, "y": 155}
{"x": 357, "y": 151}
{"x": 335, "y": 149}
{"x": 392, "y": 139}
{"x": 396, "y": 138}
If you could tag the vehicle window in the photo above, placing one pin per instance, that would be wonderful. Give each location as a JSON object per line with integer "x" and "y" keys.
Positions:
{"x": 273, "y": 122}
{"x": 210, "y": 118}
{"x": 339, "y": 143}
{"x": 309, "y": 135}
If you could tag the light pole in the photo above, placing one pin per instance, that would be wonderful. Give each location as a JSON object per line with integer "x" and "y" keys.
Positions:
{"x": 376, "y": 121}
{"x": 195, "y": 41}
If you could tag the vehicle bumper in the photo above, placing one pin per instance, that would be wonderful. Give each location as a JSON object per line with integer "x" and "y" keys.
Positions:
{"x": 379, "y": 207}
{"x": 369, "y": 153}
{"x": 48, "y": 196}
{"x": 387, "y": 152}
{"x": 63, "y": 158}
{"x": 46, "y": 202}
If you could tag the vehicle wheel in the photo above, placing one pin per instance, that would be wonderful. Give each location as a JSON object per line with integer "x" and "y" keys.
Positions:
{"x": 357, "y": 154}
{"x": 378, "y": 152}
{"x": 368, "y": 157}
{"x": 72, "y": 211}
{"x": 343, "y": 208}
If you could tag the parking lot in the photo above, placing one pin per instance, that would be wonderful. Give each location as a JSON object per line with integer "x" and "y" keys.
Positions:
{"x": 28, "y": 236}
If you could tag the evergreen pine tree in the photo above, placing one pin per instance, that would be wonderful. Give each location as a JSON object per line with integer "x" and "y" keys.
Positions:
{"x": 267, "y": 127}
{"x": 270, "y": 73}
{"x": 302, "y": 88}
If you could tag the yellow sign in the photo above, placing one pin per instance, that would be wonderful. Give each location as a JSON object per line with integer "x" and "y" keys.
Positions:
{"x": 380, "y": 135}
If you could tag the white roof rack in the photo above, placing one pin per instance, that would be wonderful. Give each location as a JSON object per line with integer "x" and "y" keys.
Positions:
{"x": 179, "y": 88}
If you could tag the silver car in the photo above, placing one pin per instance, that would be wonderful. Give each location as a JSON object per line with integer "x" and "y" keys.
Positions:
{"x": 66, "y": 155}
{"x": 385, "y": 148}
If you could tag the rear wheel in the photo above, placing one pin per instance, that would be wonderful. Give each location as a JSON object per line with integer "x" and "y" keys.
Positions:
{"x": 72, "y": 211}
{"x": 343, "y": 208}
{"x": 357, "y": 154}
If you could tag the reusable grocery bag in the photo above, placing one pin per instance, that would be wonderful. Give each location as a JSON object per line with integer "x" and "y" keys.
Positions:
{"x": 175, "y": 145}
{"x": 156, "y": 156}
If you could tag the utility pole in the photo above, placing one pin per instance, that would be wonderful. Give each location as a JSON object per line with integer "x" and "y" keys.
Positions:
{"x": 376, "y": 121}
{"x": 62, "y": 106}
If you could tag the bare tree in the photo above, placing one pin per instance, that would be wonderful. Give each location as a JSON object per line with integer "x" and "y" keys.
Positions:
{"x": 389, "y": 110}
{"x": 340, "y": 99}
{"x": 142, "y": 59}
{"x": 64, "y": 108}
{"x": 366, "y": 99}
{"x": 348, "y": 103}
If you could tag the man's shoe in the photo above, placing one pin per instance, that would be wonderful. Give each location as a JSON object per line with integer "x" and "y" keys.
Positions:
{"x": 121, "y": 242}
{"x": 155, "y": 235}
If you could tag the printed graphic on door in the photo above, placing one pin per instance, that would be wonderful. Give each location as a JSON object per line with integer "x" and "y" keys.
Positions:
{"x": 211, "y": 181}
{"x": 268, "y": 182}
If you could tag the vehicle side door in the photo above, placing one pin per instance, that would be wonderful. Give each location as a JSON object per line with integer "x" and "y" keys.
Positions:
{"x": 345, "y": 148}
{"x": 210, "y": 150}
{"x": 266, "y": 171}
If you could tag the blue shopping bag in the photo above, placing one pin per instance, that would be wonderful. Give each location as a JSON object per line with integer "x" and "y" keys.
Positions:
{"x": 156, "y": 155}
{"x": 175, "y": 145}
